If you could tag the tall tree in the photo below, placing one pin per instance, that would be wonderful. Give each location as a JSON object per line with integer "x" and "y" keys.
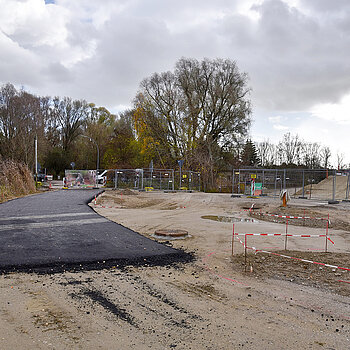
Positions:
{"x": 197, "y": 111}
{"x": 123, "y": 150}
{"x": 325, "y": 157}
{"x": 70, "y": 115}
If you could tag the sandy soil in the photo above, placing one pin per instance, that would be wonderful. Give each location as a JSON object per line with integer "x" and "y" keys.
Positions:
{"x": 211, "y": 303}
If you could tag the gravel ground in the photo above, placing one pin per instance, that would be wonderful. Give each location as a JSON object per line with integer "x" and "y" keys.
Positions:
{"x": 209, "y": 303}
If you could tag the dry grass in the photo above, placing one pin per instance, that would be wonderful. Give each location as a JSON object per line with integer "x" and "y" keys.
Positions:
{"x": 15, "y": 180}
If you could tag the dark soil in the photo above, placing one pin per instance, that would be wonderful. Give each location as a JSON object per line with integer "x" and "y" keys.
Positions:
{"x": 264, "y": 265}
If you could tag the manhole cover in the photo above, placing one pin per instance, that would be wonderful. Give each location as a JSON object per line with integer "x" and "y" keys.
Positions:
{"x": 171, "y": 233}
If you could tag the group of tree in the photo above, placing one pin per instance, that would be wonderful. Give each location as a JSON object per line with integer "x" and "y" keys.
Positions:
{"x": 291, "y": 151}
{"x": 65, "y": 129}
{"x": 199, "y": 113}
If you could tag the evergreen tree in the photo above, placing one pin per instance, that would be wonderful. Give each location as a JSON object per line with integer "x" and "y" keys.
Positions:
{"x": 250, "y": 155}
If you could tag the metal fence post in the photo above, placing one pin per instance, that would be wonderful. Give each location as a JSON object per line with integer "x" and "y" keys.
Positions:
{"x": 303, "y": 183}
{"x": 239, "y": 181}
{"x": 334, "y": 184}
{"x": 263, "y": 182}
{"x": 172, "y": 170}
{"x": 116, "y": 179}
{"x": 275, "y": 183}
{"x": 233, "y": 180}
{"x": 142, "y": 179}
{"x": 347, "y": 188}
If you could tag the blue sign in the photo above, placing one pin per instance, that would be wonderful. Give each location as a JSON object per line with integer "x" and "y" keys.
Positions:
{"x": 180, "y": 162}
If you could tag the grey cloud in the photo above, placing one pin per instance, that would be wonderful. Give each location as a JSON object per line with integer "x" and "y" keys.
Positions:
{"x": 126, "y": 51}
{"x": 326, "y": 6}
{"x": 297, "y": 60}
{"x": 17, "y": 65}
{"x": 58, "y": 73}
{"x": 294, "y": 58}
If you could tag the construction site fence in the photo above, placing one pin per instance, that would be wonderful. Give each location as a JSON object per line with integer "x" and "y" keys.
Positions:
{"x": 138, "y": 179}
{"x": 320, "y": 184}
{"x": 80, "y": 179}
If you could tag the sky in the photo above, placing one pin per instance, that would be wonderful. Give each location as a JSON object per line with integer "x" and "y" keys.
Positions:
{"x": 296, "y": 53}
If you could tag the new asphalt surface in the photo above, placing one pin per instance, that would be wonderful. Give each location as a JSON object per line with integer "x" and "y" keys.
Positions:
{"x": 58, "y": 231}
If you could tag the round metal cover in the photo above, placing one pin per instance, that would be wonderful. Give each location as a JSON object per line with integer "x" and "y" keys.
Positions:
{"x": 171, "y": 233}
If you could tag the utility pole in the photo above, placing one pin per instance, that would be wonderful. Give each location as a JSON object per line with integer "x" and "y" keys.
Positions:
{"x": 36, "y": 160}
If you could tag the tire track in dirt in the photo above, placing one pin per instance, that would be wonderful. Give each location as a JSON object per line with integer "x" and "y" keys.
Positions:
{"x": 135, "y": 301}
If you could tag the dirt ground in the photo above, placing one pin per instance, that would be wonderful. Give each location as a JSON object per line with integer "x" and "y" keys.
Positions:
{"x": 215, "y": 302}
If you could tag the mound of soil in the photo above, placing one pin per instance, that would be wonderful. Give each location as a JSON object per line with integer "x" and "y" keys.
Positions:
{"x": 127, "y": 192}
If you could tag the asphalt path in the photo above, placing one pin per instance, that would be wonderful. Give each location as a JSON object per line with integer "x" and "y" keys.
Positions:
{"x": 59, "y": 231}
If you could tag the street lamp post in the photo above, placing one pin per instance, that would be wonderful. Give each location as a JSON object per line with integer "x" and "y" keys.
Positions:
{"x": 98, "y": 155}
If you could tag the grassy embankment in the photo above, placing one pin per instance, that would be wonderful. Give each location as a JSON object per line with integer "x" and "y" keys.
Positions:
{"x": 16, "y": 180}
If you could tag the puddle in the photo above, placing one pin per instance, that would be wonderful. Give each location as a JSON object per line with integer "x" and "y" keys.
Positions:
{"x": 227, "y": 218}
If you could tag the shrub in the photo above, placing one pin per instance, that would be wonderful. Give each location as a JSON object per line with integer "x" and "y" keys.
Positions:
{"x": 15, "y": 180}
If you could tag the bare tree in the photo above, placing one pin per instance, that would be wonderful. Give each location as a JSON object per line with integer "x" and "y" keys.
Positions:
{"x": 70, "y": 115}
{"x": 198, "y": 108}
{"x": 325, "y": 156}
{"x": 21, "y": 120}
{"x": 311, "y": 155}
{"x": 340, "y": 160}
{"x": 289, "y": 149}
{"x": 266, "y": 152}
{"x": 8, "y": 123}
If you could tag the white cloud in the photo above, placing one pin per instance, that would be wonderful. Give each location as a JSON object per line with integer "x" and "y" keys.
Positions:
{"x": 31, "y": 23}
{"x": 277, "y": 119}
{"x": 338, "y": 113}
{"x": 280, "y": 127}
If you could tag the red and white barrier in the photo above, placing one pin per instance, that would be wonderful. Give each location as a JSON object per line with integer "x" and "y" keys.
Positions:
{"x": 291, "y": 216}
{"x": 299, "y": 259}
{"x": 276, "y": 234}
{"x": 282, "y": 255}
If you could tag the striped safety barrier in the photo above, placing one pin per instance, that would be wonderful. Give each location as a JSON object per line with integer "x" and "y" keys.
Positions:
{"x": 291, "y": 216}
{"x": 277, "y": 234}
{"x": 290, "y": 257}
{"x": 300, "y": 259}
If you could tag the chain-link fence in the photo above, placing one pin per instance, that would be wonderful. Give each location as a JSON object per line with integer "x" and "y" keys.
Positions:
{"x": 320, "y": 184}
{"x": 138, "y": 179}
{"x": 161, "y": 179}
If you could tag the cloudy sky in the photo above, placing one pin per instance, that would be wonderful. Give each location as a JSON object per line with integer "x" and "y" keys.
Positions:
{"x": 296, "y": 52}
